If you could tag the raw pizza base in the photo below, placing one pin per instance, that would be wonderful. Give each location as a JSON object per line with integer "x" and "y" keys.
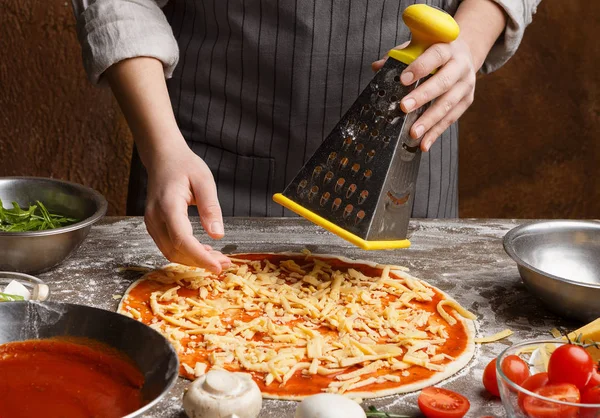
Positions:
{"x": 451, "y": 368}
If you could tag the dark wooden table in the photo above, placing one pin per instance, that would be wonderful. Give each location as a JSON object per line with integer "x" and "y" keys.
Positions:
{"x": 462, "y": 257}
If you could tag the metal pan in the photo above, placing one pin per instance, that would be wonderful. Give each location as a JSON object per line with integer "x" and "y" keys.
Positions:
{"x": 150, "y": 351}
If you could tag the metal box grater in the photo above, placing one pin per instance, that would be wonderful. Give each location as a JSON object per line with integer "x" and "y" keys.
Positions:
{"x": 360, "y": 182}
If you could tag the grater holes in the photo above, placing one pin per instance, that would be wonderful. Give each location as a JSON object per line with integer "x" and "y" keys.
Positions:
{"x": 328, "y": 177}
{"x": 381, "y": 93}
{"x": 350, "y": 122}
{"x": 367, "y": 175}
{"x": 301, "y": 186}
{"x": 355, "y": 168}
{"x": 363, "y": 196}
{"x": 347, "y": 142}
{"x": 336, "y": 204}
{"x": 378, "y": 114}
{"x": 339, "y": 184}
{"x": 317, "y": 172}
{"x": 363, "y": 127}
{"x": 350, "y": 191}
{"x": 385, "y": 141}
{"x": 358, "y": 149}
{"x": 348, "y": 211}
{"x": 393, "y": 98}
{"x": 325, "y": 198}
{"x": 359, "y": 216}
{"x": 331, "y": 157}
{"x": 374, "y": 134}
{"x": 397, "y": 79}
{"x": 370, "y": 156}
{"x": 343, "y": 163}
{"x": 365, "y": 109}
{"x": 313, "y": 192}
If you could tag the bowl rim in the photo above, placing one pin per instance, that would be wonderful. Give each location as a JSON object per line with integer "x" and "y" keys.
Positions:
{"x": 536, "y": 226}
{"x": 501, "y": 376}
{"x": 25, "y": 279}
{"x": 97, "y": 197}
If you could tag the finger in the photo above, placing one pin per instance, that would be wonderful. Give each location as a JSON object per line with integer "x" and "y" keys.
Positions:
{"x": 376, "y": 65}
{"x": 433, "y": 58}
{"x": 209, "y": 209}
{"x": 437, "y": 85}
{"x": 439, "y": 109}
{"x": 438, "y": 129}
{"x": 159, "y": 235}
{"x": 184, "y": 247}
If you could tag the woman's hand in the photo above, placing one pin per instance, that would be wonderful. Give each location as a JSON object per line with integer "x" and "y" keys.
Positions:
{"x": 177, "y": 179}
{"x": 452, "y": 87}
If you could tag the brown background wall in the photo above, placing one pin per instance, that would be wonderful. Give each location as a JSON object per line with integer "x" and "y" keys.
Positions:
{"x": 529, "y": 144}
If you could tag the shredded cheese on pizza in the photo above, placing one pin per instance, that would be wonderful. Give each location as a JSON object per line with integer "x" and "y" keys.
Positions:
{"x": 308, "y": 318}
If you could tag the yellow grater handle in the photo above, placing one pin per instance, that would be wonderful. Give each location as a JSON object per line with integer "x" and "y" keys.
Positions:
{"x": 428, "y": 26}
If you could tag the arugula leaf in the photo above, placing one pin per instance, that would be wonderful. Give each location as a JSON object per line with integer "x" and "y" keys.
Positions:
{"x": 373, "y": 412}
{"x": 35, "y": 218}
{"x": 4, "y": 297}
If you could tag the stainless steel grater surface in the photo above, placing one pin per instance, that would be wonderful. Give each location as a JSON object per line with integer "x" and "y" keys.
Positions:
{"x": 362, "y": 178}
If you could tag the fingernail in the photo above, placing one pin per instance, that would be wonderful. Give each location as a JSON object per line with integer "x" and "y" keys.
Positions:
{"x": 407, "y": 77}
{"x": 217, "y": 228}
{"x": 419, "y": 131}
{"x": 427, "y": 146}
{"x": 408, "y": 104}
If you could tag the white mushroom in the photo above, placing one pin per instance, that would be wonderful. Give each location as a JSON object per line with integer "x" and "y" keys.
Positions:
{"x": 329, "y": 405}
{"x": 222, "y": 394}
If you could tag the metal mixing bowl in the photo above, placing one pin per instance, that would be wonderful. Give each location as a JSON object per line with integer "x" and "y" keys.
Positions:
{"x": 150, "y": 351}
{"x": 38, "y": 251}
{"x": 559, "y": 261}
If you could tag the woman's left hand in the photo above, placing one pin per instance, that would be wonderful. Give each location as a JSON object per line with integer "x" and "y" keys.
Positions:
{"x": 452, "y": 87}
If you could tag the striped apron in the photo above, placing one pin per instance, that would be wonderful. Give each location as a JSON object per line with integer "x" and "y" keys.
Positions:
{"x": 260, "y": 84}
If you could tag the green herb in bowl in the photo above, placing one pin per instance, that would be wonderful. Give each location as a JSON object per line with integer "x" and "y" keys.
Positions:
{"x": 4, "y": 297}
{"x": 35, "y": 218}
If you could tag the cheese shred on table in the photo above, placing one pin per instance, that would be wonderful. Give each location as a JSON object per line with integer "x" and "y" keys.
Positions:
{"x": 309, "y": 318}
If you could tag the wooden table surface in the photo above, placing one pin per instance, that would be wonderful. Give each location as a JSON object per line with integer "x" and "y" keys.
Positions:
{"x": 462, "y": 257}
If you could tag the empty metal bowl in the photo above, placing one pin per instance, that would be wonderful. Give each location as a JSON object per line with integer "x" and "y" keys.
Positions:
{"x": 559, "y": 261}
{"x": 38, "y": 251}
{"x": 149, "y": 350}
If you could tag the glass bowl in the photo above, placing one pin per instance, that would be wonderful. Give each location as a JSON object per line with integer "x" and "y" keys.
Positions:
{"x": 38, "y": 289}
{"x": 513, "y": 396}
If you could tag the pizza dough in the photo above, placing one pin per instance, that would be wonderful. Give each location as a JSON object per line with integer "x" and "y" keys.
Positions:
{"x": 303, "y": 324}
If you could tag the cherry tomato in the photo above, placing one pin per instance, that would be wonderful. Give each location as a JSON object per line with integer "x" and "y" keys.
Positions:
{"x": 590, "y": 395}
{"x": 442, "y": 403}
{"x": 490, "y": 383}
{"x": 513, "y": 367}
{"x": 532, "y": 383}
{"x": 539, "y": 408}
{"x": 570, "y": 364}
{"x": 594, "y": 380}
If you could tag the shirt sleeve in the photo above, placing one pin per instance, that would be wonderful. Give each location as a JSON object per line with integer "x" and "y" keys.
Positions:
{"x": 110, "y": 31}
{"x": 519, "y": 14}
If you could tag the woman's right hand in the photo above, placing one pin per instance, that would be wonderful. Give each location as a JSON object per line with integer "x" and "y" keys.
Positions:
{"x": 178, "y": 178}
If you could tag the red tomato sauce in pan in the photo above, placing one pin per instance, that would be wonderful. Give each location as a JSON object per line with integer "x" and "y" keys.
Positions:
{"x": 59, "y": 378}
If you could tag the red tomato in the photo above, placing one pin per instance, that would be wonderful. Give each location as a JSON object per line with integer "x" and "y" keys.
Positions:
{"x": 531, "y": 384}
{"x": 515, "y": 369}
{"x": 590, "y": 395}
{"x": 594, "y": 380}
{"x": 442, "y": 403}
{"x": 489, "y": 378}
{"x": 570, "y": 364}
{"x": 538, "y": 408}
